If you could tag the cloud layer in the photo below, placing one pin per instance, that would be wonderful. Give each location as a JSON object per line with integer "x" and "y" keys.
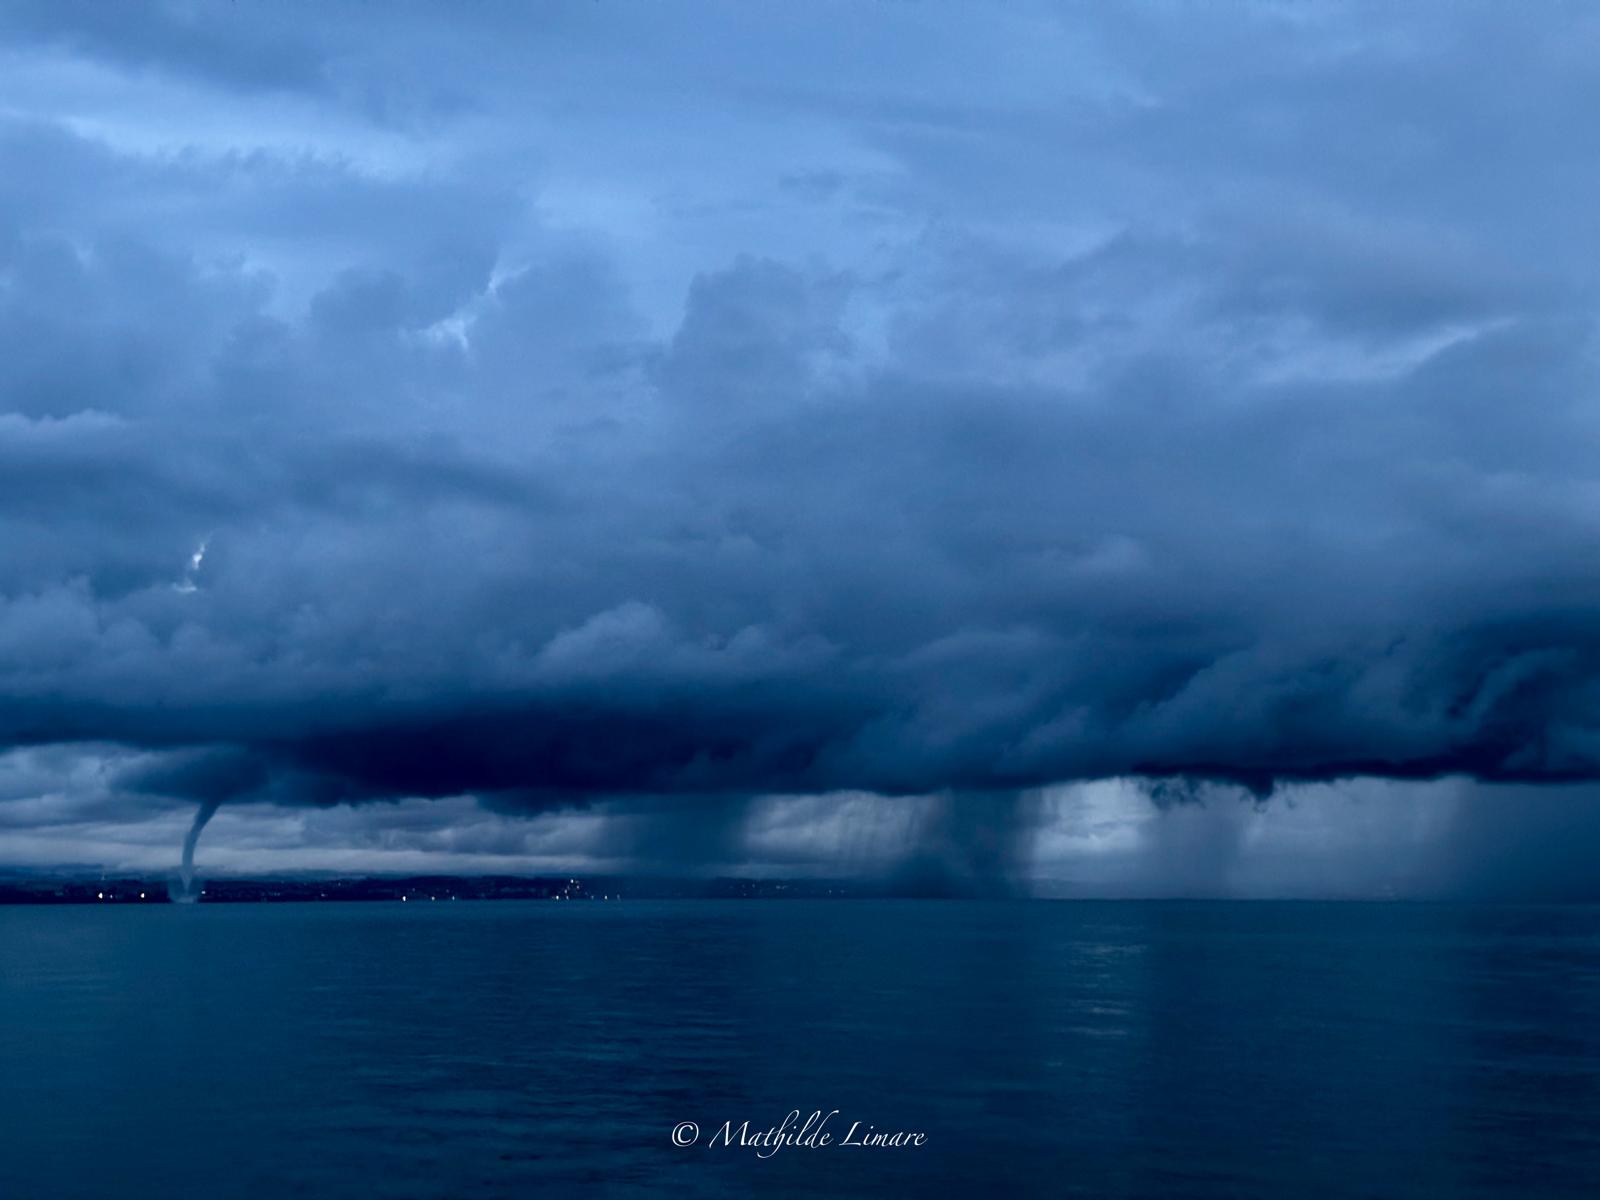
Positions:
{"x": 602, "y": 403}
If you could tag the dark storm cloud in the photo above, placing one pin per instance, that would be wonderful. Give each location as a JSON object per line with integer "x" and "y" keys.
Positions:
{"x": 1164, "y": 418}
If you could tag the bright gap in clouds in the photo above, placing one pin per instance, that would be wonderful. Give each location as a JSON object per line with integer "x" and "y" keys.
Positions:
{"x": 1350, "y": 839}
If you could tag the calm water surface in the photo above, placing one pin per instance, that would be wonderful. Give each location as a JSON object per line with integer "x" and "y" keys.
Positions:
{"x": 519, "y": 1049}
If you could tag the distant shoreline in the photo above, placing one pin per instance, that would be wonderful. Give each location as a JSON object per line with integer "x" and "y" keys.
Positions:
{"x": 133, "y": 890}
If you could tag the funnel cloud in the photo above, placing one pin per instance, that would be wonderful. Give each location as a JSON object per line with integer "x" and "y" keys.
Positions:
{"x": 186, "y": 891}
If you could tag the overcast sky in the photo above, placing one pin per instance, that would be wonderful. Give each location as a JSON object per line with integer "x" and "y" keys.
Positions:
{"x": 1151, "y": 446}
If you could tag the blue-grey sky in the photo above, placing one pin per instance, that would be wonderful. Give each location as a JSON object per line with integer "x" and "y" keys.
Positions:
{"x": 507, "y": 436}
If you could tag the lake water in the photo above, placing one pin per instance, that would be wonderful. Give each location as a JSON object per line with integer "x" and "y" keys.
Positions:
{"x": 463, "y": 1050}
